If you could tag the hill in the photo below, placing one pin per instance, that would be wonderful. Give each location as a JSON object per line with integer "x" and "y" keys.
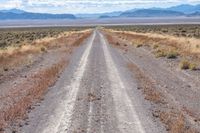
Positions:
{"x": 152, "y": 13}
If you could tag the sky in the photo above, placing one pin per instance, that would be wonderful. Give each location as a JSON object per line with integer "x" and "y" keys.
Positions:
{"x": 88, "y": 6}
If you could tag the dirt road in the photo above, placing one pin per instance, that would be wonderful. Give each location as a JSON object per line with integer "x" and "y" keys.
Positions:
{"x": 95, "y": 94}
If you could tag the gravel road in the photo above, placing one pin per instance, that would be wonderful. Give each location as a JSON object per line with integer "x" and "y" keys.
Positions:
{"x": 95, "y": 94}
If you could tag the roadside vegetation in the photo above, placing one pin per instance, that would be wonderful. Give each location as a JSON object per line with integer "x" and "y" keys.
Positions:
{"x": 21, "y": 42}
{"x": 23, "y": 36}
{"x": 168, "y": 41}
{"x": 27, "y": 49}
{"x": 173, "y": 118}
{"x": 171, "y": 48}
{"x": 175, "y": 30}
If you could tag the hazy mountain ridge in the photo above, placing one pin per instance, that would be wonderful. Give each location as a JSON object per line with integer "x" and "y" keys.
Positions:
{"x": 20, "y": 14}
{"x": 152, "y": 13}
{"x": 17, "y": 11}
{"x": 175, "y": 11}
{"x": 187, "y": 9}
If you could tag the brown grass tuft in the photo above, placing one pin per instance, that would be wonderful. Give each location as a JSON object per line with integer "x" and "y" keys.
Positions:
{"x": 146, "y": 85}
{"x": 173, "y": 119}
{"x": 185, "y": 64}
{"x": 25, "y": 94}
{"x": 34, "y": 87}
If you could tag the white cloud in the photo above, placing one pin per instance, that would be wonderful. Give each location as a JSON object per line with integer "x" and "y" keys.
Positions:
{"x": 11, "y": 4}
{"x": 77, "y": 6}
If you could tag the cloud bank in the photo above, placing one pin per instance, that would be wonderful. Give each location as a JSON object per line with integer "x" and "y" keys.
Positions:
{"x": 88, "y": 6}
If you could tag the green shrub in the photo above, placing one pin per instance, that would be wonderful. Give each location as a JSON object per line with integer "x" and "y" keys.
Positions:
{"x": 155, "y": 46}
{"x": 184, "y": 64}
{"x": 193, "y": 66}
{"x": 3, "y": 43}
{"x": 172, "y": 55}
{"x": 160, "y": 53}
{"x": 138, "y": 45}
{"x": 188, "y": 65}
{"x": 43, "y": 49}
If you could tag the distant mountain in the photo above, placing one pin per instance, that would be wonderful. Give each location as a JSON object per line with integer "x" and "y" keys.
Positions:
{"x": 20, "y": 14}
{"x": 175, "y": 11}
{"x": 99, "y": 15}
{"x": 180, "y": 10}
{"x": 152, "y": 13}
{"x": 196, "y": 14}
{"x": 17, "y": 11}
{"x": 187, "y": 9}
{"x": 104, "y": 16}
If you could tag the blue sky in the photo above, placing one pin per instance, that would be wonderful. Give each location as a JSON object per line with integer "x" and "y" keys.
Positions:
{"x": 88, "y": 6}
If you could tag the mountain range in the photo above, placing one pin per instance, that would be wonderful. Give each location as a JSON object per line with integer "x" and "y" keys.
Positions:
{"x": 175, "y": 11}
{"x": 13, "y": 14}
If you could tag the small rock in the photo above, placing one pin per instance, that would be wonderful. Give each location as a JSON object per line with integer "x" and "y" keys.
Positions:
{"x": 20, "y": 125}
{"x": 14, "y": 131}
{"x": 5, "y": 69}
{"x": 189, "y": 86}
{"x": 155, "y": 114}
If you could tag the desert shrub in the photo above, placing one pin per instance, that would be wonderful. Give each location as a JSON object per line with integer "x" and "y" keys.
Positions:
{"x": 160, "y": 53}
{"x": 138, "y": 45}
{"x": 155, "y": 46}
{"x": 43, "y": 49}
{"x": 172, "y": 55}
{"x": 3, "y": 43}
{"x": 193, "y": 66}
{"x": 185, "y": 64}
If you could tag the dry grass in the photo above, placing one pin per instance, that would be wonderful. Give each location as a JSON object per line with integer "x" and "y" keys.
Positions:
{"x": 25, "y": 94}
{"x": 184, "y": 44}
{"x": 173, "y": 119}
{"x": 178, "y": 30}
{"x": 175, "y": 123}
{"x": 82, "y": 38}
{"x": 13, "y": 56}
{"x": 114, "y": 41}
{"x": 22, "y": 96}
{"x": 139, "y": 45}
{"x": 146, "y": 85}
{"x": 171, "y": 116}
{"x": 172, "y": 55}
{"x": 167, "y": 46}
{"x": 185, "y": 64}
{"x": 9, "y": 54}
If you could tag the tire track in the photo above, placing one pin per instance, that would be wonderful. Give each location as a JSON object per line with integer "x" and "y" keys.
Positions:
{"x": 127, "y": 117}
{"x": 63, "y": 122}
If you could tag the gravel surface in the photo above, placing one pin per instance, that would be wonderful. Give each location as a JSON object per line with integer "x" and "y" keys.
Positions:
{"x": 179, "y": 88}
{"x": 95, "y": 94}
